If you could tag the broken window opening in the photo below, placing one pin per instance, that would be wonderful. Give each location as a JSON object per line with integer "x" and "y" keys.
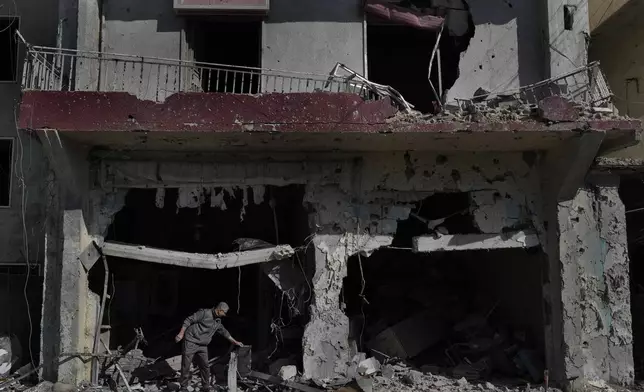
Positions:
{"x": 6, "y": 165}
{"x": 9, "y": 25}
{"x": 235, "y": 42}
{"x": 569, "y": 16}
{"x": 440, "y": 213}
{"x": 399, "y": 56}
{"x": 631, "y": 191}
{"x": 158, "y": 297}
{"x": 472, "y": 314}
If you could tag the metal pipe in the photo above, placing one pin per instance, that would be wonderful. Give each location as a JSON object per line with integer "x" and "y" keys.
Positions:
{"x": 431, "y": 64}
{"x": 99, "y": 321}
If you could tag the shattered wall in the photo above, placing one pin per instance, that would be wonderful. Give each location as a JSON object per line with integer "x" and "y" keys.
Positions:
{"x": 372, "y": 191}
{"x": 595, "y": 285}
{"x": 506, "y": 50}
{"x": 355, "y": 204}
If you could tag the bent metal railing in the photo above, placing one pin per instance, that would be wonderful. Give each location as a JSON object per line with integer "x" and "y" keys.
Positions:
{"x": 55, "y": 69}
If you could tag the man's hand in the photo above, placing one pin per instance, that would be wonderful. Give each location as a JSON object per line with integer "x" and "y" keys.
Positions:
{"x": 179, "y": 337}
{"x": 239, "y": 344}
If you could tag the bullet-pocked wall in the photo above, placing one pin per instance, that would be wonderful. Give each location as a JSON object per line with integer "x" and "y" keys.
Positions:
{"x": 365, "y": 195}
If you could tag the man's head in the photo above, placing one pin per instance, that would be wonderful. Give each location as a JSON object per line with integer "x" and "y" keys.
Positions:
{"x": 221, "y": 309}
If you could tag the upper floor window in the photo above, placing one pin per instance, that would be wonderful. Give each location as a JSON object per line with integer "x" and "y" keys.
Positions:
{"x": 6, "y": 160}
{"x": 8, "y": 48}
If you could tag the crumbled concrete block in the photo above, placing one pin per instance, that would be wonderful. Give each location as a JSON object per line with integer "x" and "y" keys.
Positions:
{"x": 388, "y": 372}
{"x": 287, "y": 373}
{"x": 557, "y": 109}
{"x": 368, "y": 367}
{"x": 412, "y": 378}
{"x": 461, "y": 382}
{"x": 490, "y": 387}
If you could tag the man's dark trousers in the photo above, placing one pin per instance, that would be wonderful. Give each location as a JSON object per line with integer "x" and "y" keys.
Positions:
{"x": 200, "y": 353}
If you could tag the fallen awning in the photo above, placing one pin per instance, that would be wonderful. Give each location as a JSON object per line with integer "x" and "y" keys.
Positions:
{"x": 404, "y": 16}
{"x": 197, "y": 260}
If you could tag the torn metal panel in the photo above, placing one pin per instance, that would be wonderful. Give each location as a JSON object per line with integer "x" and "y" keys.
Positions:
{"x": 402, "y": 15}
{"x": 520, "y": 239}
{"x": 196, "y": 260}
{"x": 354, "y": 79}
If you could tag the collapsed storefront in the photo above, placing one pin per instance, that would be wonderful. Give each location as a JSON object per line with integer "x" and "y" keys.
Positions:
{"x": 322, "y": 256}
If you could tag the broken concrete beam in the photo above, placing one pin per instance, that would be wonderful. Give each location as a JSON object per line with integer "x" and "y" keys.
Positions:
{"x": 520, "y": 239}
{"x": 410, "y": 337}
{"x": 196, "y": 260}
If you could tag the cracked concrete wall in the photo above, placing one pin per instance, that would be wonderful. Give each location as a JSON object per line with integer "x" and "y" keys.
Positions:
{"x": 595, "y": 285}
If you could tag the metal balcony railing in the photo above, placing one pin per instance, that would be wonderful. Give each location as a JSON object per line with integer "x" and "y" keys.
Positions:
{"x": 585, "y": 84}
{"x": 55, "y": 69}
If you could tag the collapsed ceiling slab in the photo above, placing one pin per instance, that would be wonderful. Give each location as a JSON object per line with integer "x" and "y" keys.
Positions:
{"x": 519, "y": 239}
{"x": 196, "y": 260}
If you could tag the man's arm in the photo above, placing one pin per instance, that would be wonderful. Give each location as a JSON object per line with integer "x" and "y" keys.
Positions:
{"x": 224, "y": 332}
{"x": 194, "y": 318}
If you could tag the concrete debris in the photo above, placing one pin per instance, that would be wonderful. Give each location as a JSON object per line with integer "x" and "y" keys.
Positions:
{"x": 276, "y": 366}
{"x": 63, "y": 387}
{"x": 44, "y": 386}
{"x": 368, "y": 367}
{"x": 10, "y": 353}
{"x": 5, "y": 356}
{"x": 412, "y": 378}
{"x": 288, "y": 372}
{"x": 406, "y": 379}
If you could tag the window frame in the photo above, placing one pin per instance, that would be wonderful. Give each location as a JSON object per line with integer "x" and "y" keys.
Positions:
{"x": 16, "y": 19}
{"x": 12, "y": 140}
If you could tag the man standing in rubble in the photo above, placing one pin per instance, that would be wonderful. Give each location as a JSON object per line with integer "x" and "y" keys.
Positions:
{"x": 196, "y": 333}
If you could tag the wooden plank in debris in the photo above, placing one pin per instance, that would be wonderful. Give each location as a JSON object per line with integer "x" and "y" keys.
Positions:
{"x": 279, "y": 381}
{"x": 196, "y": 260}
{"x": 456, "y": 242}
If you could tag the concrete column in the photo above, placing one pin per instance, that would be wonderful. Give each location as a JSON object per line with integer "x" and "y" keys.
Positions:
{"x": 74, "y": 295}
{"x": 594, "y": 296}
{"x": 326, "y": 337}
{"x": 67, "y": 324}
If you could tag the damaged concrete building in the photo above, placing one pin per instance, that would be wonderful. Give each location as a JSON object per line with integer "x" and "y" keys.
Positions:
{"x": 404, "y": 179}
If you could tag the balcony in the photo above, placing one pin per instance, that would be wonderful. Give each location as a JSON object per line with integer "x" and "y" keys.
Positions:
{"x": 113, "y": 99}
{"x": 155, "y": 79}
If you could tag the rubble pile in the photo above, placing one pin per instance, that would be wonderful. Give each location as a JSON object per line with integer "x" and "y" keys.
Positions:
{"x": 401, "y": 378}
{"x": 499, "y": 110}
